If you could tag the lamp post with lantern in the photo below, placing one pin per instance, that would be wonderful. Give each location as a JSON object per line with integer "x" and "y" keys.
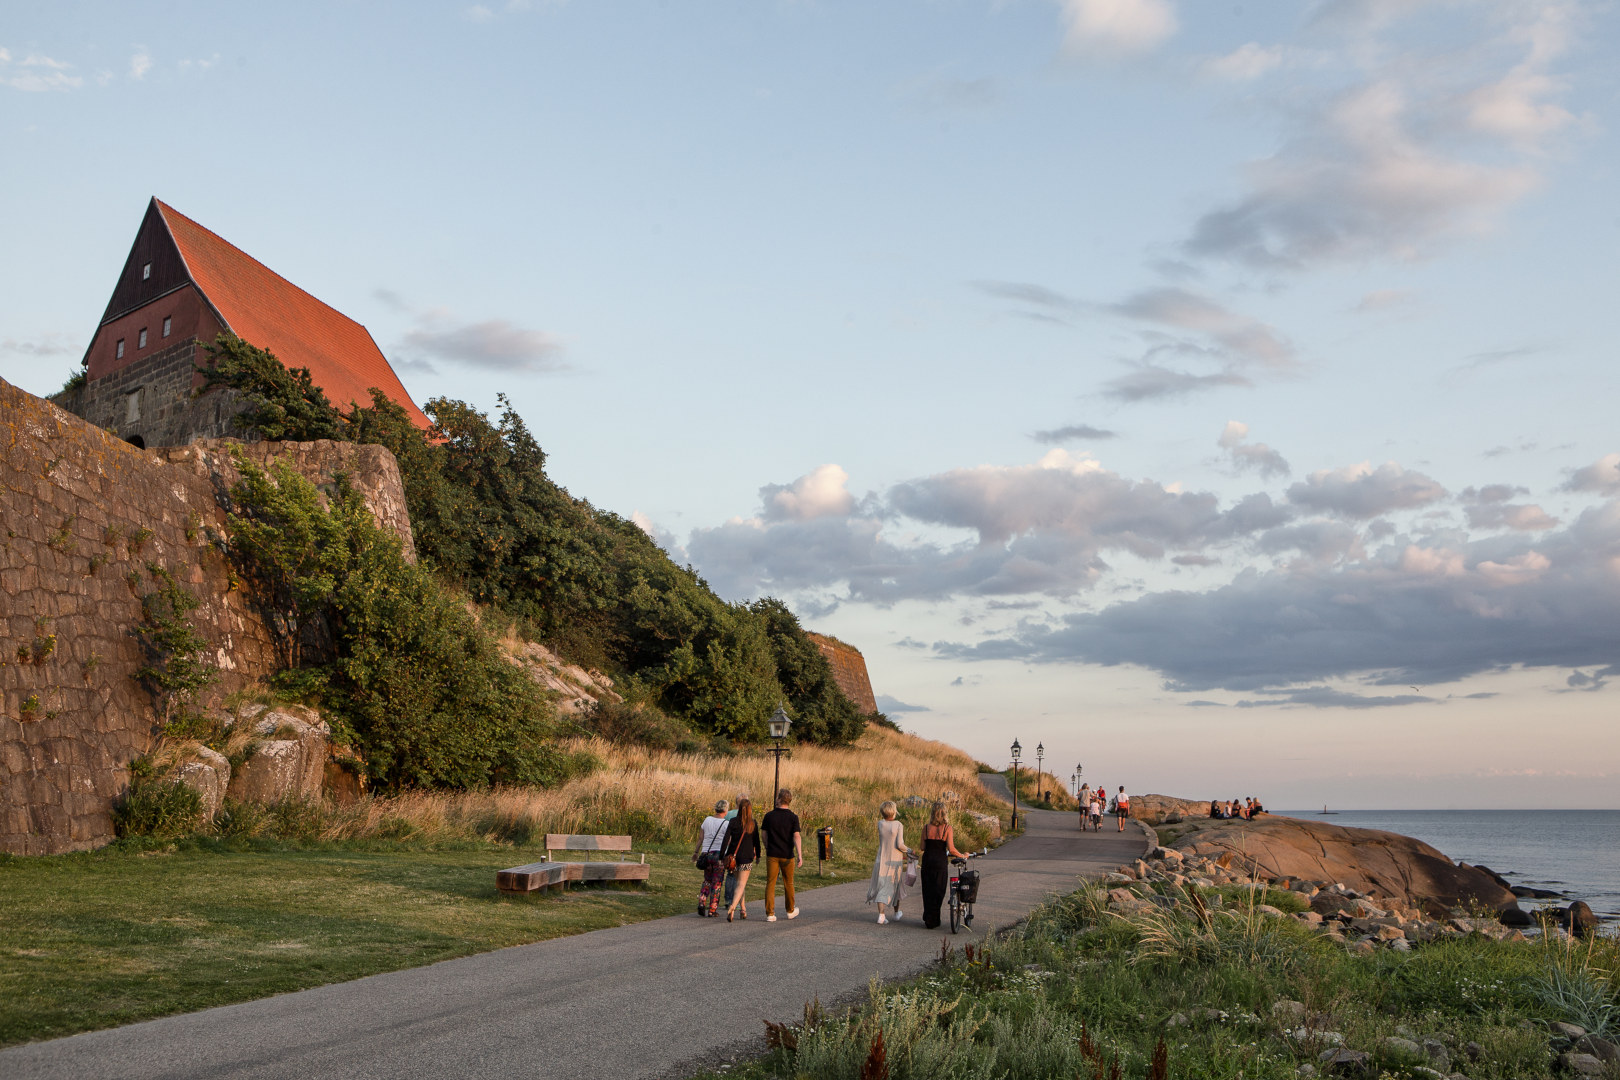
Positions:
{"x": 1017, "y": 751}
{"x": 1040, "y": 777}
{"x": 779, "y": 724}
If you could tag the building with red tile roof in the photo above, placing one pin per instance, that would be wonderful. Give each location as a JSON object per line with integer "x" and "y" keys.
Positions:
{"x": 181, "y": 287}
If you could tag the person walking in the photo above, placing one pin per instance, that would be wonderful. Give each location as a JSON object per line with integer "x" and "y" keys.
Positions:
{"x": 939, "y": 844}
{"x": 731, "y": 875}
{"x": 1098, "y": 798}
{"x": 741, "y": 852}
{"x": 1084, "y": 799}
{"x": 784, "y": 848}
{"x": 889, "y": 867}
{"x": 711, "y": 838}
{"x": 1122, "y": 807}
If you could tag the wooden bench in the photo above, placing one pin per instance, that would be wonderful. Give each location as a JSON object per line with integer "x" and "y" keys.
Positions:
{"x": 549, "y": 872}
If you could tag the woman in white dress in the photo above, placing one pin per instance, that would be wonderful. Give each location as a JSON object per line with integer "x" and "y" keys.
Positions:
{"x": 889, "y": 868}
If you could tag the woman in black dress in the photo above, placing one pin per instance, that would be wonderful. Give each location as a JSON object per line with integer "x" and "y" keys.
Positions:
{"x": 938, "y": 845}
{"x": 741, "y": 850}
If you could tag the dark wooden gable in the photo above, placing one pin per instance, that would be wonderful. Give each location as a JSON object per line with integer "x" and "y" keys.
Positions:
{"x": 153, "y": 247}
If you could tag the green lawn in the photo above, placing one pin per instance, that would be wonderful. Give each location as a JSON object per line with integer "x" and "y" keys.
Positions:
{"x": 97, "y": 939}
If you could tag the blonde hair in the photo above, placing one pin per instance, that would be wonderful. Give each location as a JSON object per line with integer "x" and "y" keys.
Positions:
{"x": 721, "y": 806}
{"x": 888, "y": 810}
{"x": 941, "y": 817}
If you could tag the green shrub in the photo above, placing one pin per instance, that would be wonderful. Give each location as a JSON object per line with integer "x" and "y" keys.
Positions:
{"x": 158, "y": 808}
{"x": 643, "y": 725}
{"x": 177, "y": 668}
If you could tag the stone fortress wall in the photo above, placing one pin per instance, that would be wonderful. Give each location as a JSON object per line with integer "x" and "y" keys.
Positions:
{"x": 83, "y": 514}
{"x": 151, "y": 400}
{"x": 849, "y": 671}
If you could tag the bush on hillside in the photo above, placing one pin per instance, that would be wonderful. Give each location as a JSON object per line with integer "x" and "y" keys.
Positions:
{"x": 633, "y": 724}
{"x": 407, "y": 673}
{"x": 593, "y": 585}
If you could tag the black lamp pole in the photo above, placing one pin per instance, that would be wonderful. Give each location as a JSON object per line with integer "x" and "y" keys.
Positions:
{"x": 1040, "y": 777}
{"x": 778, "y": 724}
{"x": 1016, "y": 751}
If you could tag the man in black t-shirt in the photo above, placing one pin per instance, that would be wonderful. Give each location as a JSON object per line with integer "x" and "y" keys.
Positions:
{"x": 784, "y": 847}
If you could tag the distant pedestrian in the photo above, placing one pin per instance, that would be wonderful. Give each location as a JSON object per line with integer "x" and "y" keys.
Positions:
{"x": 1098, "y": 798}
{"x": 1122, "y": 807}
{"x": 889, "y": 867}
{"x": 741, "y": 852}
{"x": 1214, "y": 809}
{"x": 1084, "y": 799}
{"x": 939, "y": 844}
{"x": 707, "y": 856}
{"x": 784, "y": 848}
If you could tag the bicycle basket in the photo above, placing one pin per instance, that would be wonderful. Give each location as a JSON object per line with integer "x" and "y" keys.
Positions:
{"x": 968, "y": 886}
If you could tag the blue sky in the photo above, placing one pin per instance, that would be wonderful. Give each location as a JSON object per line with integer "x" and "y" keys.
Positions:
{"x": 1219, "y": 394}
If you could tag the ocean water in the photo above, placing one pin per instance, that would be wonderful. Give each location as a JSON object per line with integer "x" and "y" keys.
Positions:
{"x": 1576, "y": 852}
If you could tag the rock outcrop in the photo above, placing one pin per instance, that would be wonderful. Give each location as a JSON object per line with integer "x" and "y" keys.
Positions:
{"x": 574, "y": 689}
{"x": 287, "y": 758}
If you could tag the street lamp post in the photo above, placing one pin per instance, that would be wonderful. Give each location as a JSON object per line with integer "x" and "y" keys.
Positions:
{"x": 1074, "y": 784}
{"x": 1040, "y": 777}
{"x": 1016, "y": 751}
{"x": 779, "y": 724}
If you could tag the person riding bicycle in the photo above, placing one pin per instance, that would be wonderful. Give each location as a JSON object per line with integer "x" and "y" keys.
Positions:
{"x": 938, "y": 845}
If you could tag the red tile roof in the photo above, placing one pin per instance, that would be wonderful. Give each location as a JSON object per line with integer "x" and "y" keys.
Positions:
{"x": 265, "y": 309}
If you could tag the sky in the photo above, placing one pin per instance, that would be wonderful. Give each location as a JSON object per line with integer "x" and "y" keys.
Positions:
{"x": 1220, "y": 396}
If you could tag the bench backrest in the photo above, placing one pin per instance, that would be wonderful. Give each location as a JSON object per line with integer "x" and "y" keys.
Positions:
{"x": 573, "y": 842}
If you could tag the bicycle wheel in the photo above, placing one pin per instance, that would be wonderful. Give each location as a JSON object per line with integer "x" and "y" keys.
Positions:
{"x": 956, "y": 911}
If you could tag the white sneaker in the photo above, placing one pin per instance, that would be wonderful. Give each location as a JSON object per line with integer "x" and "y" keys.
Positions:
{"x": 794, "y": 914}
{"x": 771, "y": 917}
{"x": 882, "y": 919}
{"x": 899, "y": 915}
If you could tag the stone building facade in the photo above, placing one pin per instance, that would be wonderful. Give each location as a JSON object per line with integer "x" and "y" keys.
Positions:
{"x": 849, "y": 671}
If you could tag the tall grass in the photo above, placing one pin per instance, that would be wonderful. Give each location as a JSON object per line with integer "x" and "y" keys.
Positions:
{"x": 661, "y": 796}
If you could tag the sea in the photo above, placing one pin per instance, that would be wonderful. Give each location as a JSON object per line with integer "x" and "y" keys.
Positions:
{"x": 1575, "y": 852}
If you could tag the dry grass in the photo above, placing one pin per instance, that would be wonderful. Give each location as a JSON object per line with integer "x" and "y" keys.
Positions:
{"x": 660, "y": 797}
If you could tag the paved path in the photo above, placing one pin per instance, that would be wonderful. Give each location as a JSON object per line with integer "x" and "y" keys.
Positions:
{"x": 633, "y": 1001}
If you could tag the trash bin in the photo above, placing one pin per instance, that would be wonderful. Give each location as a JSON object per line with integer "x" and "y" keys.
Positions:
{"x": 824, "y": 847}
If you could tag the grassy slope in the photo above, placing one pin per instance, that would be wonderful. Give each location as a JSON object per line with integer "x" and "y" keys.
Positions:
{"x": 103, "y": 938}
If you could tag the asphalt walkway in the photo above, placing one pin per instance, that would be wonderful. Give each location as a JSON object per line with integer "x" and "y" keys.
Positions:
{"x": 638, "y": 1001}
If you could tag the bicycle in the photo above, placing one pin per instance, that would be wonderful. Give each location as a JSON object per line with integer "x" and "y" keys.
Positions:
{"x": 964, "y": 890}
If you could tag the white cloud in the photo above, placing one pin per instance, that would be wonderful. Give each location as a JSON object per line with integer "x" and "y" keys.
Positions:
{"x": 1247, "y": 62}
{"x": 1360, "y": 491}
{"x": 36, "y": 73}
{"x": 1257, "y": 456}
{"x": 818, "y": 493}
{"x": 1602, "y": 476}
{"x": 1115, "y": 28}
{"x": 140, "y": 64}
{"x": 494, "y": 344}
{"x": 1246, "y": 338}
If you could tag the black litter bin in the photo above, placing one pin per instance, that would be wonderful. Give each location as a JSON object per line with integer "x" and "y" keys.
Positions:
{"x": 968, "y": 886}
{"x": 824, "y": 847}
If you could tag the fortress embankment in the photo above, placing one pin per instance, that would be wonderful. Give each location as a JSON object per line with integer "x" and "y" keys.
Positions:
{"x": 86, "y": 518}
{"x": 849, "y": 671}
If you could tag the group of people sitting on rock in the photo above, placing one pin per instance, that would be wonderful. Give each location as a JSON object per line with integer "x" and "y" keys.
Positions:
{"x": 1237, "y": 808}
{"x": 730, "y": 842}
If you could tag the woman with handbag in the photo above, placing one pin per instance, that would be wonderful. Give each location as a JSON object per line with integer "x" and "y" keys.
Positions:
{"x": 707, "y": 857}
{"x": 740, "y": 852}
{"x": 889, "y": 868}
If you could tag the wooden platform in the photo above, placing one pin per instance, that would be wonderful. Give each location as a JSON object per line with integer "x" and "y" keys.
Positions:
{"x": 550, "y": 873}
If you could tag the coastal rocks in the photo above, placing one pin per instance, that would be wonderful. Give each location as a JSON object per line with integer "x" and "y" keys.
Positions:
{"x": 1580, "y": 1064}
{"x": 1578, "y": 919}
{"x": 287, "y": 759}
{"x": 1343, "y": 1062}
{"x": 1602, "y": 1049}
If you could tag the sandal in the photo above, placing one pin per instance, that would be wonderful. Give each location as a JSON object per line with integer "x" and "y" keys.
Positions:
{"x": 729, "y": 915}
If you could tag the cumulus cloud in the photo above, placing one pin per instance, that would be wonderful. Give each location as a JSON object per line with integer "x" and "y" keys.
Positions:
{"x": 140, "y": 64}
{"x": 1105, "y": 29}
{"x": 1033, "y": 529}
{"x": 1407, "y": 614}
{"x": 1323, "y": 541}
{"x": 1360, "y": 491}
{"x": 36, "y": 73}
{"x": 1489, "y": 508}
{"x": 887, "y": 704}
{"x": 45, "y": 345}
{"x": 1073, "y": 433}
{"x": 1245, "y": 455}
{"x": 1425, "y": 145}
{"x": 1325, "y": 697}
{"x": 659, "y": 535}
{"x": 818, "y": 493}
{"x": 1602, "y": 476}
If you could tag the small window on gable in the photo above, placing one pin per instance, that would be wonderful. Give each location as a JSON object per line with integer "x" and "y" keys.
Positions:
{"x": 120, "y": 354}
{"x": 140, "y": 342}
{"x": 146, "y": 272}
{"x": 167, "y": 320}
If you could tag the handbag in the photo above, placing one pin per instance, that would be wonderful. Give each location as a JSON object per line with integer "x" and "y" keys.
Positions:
{"x": 911, "y": 874}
